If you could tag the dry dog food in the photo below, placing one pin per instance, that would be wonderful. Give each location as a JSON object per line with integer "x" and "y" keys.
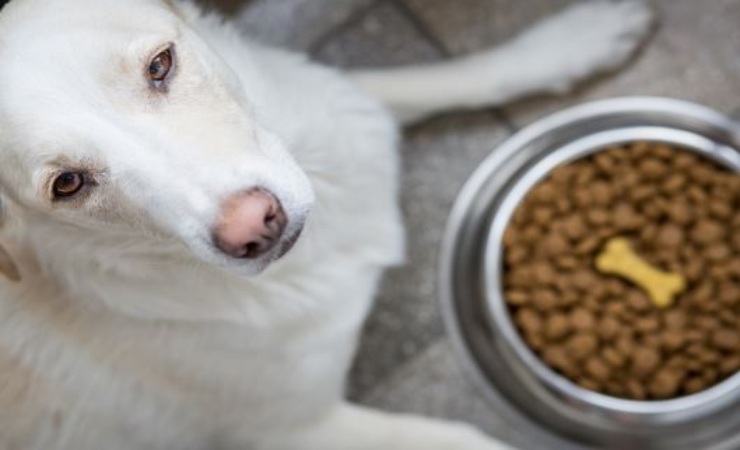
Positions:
{"x": 662, "y": 325}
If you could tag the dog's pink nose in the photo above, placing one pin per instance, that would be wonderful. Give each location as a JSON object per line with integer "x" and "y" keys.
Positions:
{"x": 250, "y": 224}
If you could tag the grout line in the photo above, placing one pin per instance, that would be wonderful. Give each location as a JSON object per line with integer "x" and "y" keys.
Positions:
{"x": 356, "y": 17}
{"x": 392, "y": 377}
{"x": 422, "y": 28}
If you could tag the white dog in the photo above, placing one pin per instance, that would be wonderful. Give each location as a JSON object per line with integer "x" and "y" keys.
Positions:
{"x": 153, "y": 164}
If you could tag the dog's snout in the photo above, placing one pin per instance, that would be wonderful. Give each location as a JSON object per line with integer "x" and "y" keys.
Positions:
{"x": 250, "y": 224}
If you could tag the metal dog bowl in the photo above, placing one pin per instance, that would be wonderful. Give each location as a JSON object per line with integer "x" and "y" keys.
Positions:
{"x": 553, "y": 410}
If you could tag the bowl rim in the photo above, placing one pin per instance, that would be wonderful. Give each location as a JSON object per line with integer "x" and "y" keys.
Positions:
{"x": 726, "y": 390}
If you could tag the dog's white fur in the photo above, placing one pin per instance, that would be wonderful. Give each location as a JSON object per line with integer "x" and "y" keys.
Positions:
{"x": 127, "y": 328}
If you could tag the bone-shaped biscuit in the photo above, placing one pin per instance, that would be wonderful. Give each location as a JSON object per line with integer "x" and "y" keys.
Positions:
{"x": 618, "y": 258}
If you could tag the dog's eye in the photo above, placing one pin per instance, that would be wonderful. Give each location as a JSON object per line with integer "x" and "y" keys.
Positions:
{"x": 160, "y": 67}
{"x": 68, "y": 184}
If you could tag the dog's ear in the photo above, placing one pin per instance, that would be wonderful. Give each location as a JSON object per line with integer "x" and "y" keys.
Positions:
{"x": 8, "y": 267}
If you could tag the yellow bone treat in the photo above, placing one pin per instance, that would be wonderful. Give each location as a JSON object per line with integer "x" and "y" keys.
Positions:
{"x": 618, "y": 258}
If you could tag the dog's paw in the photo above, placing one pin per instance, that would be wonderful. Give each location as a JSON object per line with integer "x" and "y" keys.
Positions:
{"x": 586, "y": 39}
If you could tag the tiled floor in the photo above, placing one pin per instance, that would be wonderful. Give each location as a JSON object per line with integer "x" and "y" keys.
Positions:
{"x": 405, "y": 362}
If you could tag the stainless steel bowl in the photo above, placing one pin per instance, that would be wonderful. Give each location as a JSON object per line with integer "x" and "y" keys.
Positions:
{"x": 552, "y": 409}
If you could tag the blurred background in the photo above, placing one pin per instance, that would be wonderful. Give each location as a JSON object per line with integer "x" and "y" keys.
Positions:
{"x": 405, "y": 362}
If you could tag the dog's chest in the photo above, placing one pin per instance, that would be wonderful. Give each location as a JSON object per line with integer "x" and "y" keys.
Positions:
{"x": 185, "y": 383}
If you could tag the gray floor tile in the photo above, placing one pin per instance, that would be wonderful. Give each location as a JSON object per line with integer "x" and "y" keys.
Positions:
{"x": 438, "y": 158}
{"x": 295, "y": 24}
{"x": 434, "y": 385}
{"x": 384, "y": 38}
{"x": 708, "y": 26}
{"x": 469, "y": 25}
{"x": 693, "y": 56}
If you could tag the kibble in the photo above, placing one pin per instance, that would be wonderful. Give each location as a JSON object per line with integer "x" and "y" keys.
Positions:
{"x": 582, "y": 320}
{"x": 557, "y": 327}
{"x": 644, "y": 361}
{"x": 681, "y": 214}
{"x": 726, "y": 339}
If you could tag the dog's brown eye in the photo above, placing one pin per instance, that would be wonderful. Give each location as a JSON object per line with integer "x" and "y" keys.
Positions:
{"x": 68, "y": 184}
{"x": 160, "y": 67}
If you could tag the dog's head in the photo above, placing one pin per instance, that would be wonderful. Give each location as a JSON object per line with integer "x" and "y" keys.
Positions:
{"x": 119, "y": 117}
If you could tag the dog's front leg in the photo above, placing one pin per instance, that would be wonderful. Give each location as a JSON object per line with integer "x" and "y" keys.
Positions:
{"x": 351, "y": 427}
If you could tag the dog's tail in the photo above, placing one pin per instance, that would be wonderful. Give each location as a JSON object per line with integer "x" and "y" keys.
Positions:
{"x": 583, "y": 40}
